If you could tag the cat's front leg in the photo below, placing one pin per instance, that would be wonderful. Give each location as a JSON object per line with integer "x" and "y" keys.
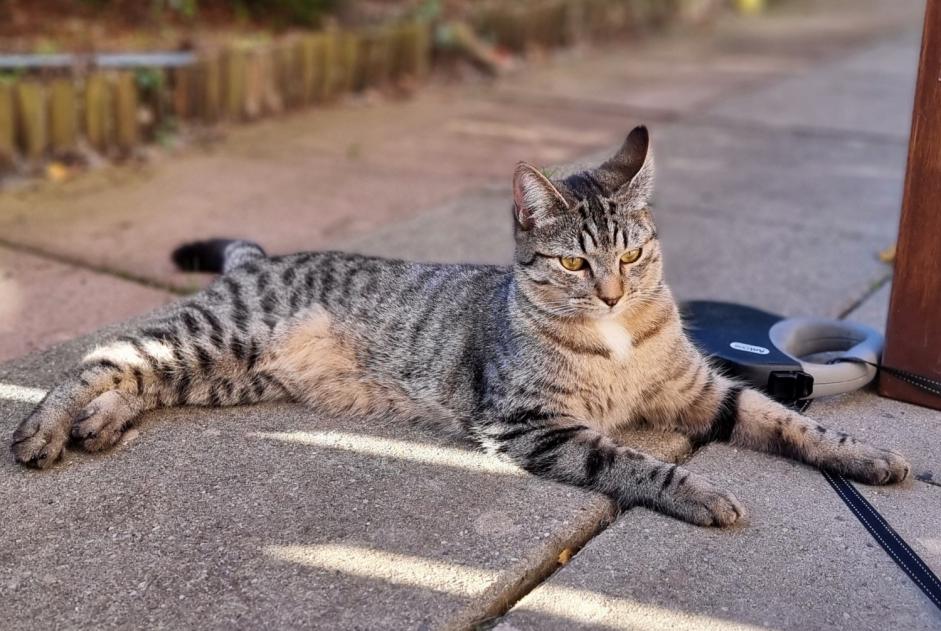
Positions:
{"x": 720, "y": 409}
{"x": 567, "y": 451}
{"x": 766, "y": 425}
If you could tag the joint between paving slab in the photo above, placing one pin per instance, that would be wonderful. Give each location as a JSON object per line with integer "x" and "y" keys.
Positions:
{"x": 98, "y": 269}
{"x": 533, "y": 571}
{"x": 857, "y": 302}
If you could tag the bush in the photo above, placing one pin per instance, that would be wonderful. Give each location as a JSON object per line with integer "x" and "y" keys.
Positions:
{"x": 301, "y": 12}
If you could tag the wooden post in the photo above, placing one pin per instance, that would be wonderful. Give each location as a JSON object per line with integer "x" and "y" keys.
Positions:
{"x": 350, "y": 62}
{"x": 913, "y": 335}
{"x": 98, "y": 112}
{"x": 183, "y": 92}
{"x": 208, "y": 77}
{"x": 234, "y": 82}
{"x": 31, "y": 118}
{"x": 7, "y": 126}
{"x": 306, "y": 51}
{"x": 125, "y": 111}
{"x": 63, "y": 116}
{"x": 318, "y": 43}
{"x": 329, "y": 84}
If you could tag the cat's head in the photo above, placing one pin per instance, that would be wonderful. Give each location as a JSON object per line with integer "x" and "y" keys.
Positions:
{"x": 586, "y": 246}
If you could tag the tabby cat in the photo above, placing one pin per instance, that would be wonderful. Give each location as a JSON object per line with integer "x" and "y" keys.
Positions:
{"x": 538, "y": 362}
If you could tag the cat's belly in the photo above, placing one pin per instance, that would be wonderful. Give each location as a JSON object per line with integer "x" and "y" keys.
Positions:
{"x": 319, "y": 363}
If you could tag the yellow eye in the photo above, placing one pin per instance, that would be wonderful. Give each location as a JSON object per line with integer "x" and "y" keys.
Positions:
{"x": 631, "y": 256}
{"x": 572, "y": 263}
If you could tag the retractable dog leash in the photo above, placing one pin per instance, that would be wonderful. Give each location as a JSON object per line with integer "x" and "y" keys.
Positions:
{"x": 795, "y": 360}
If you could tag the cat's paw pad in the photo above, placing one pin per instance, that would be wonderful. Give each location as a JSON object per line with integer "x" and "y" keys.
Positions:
{"x": 37, "y": 446}
{"x": 703, "y": 504}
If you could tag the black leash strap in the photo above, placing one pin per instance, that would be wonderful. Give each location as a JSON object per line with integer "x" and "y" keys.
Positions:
{"x": 875, "y": 523}
{"x": 891, "y": 542}
{"x": 919, "y": 381}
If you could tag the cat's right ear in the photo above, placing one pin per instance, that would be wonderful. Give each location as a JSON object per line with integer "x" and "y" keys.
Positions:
{"x": 535, "y": 199}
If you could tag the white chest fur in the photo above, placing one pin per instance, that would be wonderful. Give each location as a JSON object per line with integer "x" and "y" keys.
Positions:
{"x": 616, "y": 337}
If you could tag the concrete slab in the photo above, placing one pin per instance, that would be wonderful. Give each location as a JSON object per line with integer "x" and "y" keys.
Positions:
{"x": 299, "y": 184}
{"x": 850, "y": 187}
{"x": 274, "y": 516}
{"x": 44, "y": 303}
{"x": 682, "y": 74}
{"x": 645, "y": 80}
{"x": 840, "y": 96}
{"x": 269, "y": 516}
{"x": 874, "y": 311}
{"x": 800, "y": 543}
{"x": 742, "y": 229}
{"x": 801, "y": 562}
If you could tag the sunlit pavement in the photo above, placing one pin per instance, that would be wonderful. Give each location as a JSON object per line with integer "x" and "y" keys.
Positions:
{"x": 781, "y": 145}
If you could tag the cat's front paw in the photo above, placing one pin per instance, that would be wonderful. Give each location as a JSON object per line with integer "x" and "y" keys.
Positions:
{"x": 871, "y": 465}
{"x": 37, "y": 444}
{"x": 699, "y": 502}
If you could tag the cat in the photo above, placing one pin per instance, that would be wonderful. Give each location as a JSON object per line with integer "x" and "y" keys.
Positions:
{"x": 538, "y": 362}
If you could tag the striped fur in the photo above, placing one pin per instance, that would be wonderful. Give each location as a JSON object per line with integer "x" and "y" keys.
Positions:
{"x": 528, "y": 361}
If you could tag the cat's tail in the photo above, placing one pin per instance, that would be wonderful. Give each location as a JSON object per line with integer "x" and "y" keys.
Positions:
{"x": 216, "y": 255}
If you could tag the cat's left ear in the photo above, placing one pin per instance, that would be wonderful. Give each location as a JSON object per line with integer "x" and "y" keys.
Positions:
{"x": 629, "y": 174}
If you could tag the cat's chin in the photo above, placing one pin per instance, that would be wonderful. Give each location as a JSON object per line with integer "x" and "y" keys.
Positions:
{"x": 607, "y": 314}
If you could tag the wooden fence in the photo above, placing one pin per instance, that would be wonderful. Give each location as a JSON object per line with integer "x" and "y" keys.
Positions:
{"x": 52, "y": 114}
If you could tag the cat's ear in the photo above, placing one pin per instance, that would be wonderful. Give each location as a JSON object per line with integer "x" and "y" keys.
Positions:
{"x": 629, "y": 174}
{"x": 535, "y": 199}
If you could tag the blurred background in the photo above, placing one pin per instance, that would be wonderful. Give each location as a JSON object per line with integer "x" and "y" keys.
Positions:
{"x": 392, "y": 126}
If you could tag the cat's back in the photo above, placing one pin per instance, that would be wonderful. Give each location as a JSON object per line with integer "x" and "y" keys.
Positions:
{"x": 371, "y": 334}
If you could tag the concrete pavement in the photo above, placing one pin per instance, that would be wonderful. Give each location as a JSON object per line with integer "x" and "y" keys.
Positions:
{"x": 275, "y": 516}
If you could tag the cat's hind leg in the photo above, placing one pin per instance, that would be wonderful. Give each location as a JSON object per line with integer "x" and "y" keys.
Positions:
{"x": 39, "y": 439}
{"x": 155, "y": 367}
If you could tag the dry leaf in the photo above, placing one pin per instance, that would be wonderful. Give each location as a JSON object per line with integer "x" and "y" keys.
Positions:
{"x": 888, "y": 255}
{"x": 57, "y": 172}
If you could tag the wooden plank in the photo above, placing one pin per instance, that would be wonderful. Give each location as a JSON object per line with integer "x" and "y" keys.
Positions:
{"x": 7, "y": 125}
{"x": 254, "y": 84}
{"x": 332, "y": 70}
{"x": 913, "y": 335}
{"x": 208, "y": 76}
{"x": 349, "y": 64}
{"x": 125, "y": 111}
{"x": 414, "y": 49}
{"x": 318, "y": 43}
{"x": 373, "y": 67}
{"x": 32, "y": 119}
{"x": 184, "y": 93}
{"x": 63, "y": 116}
{"x": 233, "y": 84}
{"x": 99, "y": 117}
{"x": 306, "y": 51}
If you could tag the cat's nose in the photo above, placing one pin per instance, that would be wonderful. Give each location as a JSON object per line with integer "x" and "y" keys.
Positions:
{"x": 609, "y": 290}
